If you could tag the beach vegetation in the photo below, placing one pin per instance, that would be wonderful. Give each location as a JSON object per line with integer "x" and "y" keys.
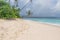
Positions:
{"x": 8, "y": 12}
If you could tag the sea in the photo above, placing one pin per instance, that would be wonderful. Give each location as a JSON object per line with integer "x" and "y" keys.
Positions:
{"x": 52, "y": 21}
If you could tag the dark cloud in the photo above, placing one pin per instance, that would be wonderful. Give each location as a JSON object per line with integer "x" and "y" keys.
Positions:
{"x": 41, "y": 8}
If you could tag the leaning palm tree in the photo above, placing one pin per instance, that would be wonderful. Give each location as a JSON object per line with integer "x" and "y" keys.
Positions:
{"x": 9, "y": 1}
{"x": 31, "y": 1}
{"x": 16, "y": 3}
{"x": 29, "y": 11}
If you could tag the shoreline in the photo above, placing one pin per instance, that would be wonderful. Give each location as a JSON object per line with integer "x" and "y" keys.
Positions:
{"x": 45, "y": 23}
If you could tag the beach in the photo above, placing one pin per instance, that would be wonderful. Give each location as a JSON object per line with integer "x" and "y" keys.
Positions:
{"x": 21, "y": 29}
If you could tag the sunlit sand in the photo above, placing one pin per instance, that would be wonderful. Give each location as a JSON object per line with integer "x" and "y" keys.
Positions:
{"x": 20, "y": 29}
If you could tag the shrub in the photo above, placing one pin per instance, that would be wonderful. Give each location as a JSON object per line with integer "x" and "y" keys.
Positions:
{"x": 8, "y": 12}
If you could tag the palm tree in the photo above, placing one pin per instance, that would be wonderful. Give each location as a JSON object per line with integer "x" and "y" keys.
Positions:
{"x": 31, "y": 1}
{"x": 9, "y": 1}
{"x": 16, "y": 3}
{"x": 29, "y": 11}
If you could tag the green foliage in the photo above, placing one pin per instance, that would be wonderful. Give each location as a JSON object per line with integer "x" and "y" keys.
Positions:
{"x": 8, "y": 12}
{"x": 29, "y": 13}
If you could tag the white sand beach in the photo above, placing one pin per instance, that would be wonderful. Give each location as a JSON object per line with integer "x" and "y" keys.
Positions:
{"x": 20, "y": 29}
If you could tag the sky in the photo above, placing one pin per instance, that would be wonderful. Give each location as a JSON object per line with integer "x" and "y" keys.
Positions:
{"x": 41, "y": 8}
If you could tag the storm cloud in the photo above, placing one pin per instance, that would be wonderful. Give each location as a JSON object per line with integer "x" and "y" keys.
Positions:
{"x": 41, "y": 8}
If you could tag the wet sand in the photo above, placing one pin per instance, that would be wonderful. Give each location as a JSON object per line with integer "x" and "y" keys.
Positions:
{"x": 20, "y": 29}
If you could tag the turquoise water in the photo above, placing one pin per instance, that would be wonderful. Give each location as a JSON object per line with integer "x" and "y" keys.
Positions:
{"x": 46, "y": 20}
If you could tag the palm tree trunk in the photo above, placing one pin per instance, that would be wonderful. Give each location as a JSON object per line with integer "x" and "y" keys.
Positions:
{"x": 9, "y": 2}
{"x": 31, "y": 1}
{"x": 29, "y": 11}
{"x": 16, "y": 3}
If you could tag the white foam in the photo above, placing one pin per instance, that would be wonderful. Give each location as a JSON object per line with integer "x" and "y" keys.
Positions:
{"x": 54, "y": 24}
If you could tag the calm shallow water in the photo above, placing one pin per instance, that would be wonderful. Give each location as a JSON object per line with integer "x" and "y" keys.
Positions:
{"x": 45, "y": 20}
